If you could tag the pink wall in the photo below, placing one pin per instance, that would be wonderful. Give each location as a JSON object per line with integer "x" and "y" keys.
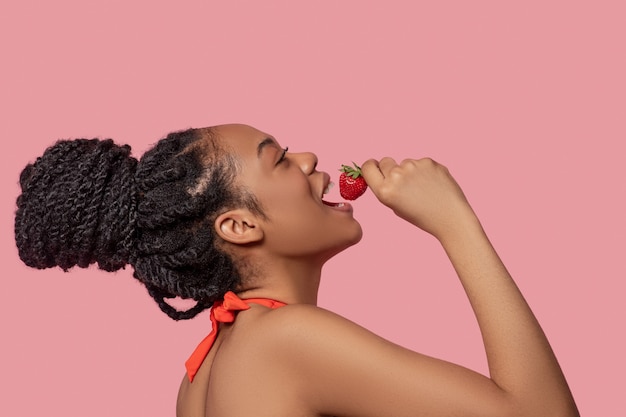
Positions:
{"x": 523, "y": 101}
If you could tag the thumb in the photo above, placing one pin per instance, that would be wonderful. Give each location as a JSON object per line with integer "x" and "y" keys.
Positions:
{"x": 370, "y": 170}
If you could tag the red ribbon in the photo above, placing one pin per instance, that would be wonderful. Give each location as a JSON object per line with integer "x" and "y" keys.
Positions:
{"x": 223, "y": 311}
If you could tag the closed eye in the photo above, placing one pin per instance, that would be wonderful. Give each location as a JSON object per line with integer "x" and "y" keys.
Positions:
{"x": 282, "y": 156}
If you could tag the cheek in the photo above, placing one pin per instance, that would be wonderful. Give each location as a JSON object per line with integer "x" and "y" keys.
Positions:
{"x": 312, "y": 231}
{"x": 295, "y": 226}
{"x": 281, "y": 192}
{"x": 287, "y": 200}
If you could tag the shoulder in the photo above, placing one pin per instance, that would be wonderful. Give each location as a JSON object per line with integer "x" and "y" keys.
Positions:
{"x": 302, "y": 322}
{"x": 324, "y": 356}
{"x": 341, "y": 368}
{"x": 313, "y": 341}
{"x": 304, "y": 337}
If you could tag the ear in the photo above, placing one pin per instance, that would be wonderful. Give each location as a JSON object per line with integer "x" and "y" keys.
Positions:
{"x": 239, "y": 226}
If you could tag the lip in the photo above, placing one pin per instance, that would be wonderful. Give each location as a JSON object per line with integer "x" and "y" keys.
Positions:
{"x": 325, "y": 182}
{"x": 339, "y": 206}
{"x": 343, "y": 206}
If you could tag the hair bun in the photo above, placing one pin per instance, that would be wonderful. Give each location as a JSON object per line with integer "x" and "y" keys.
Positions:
{"x": 78, "y": 206}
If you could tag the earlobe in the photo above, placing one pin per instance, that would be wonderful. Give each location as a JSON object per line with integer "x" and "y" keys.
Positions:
{"x": 239, "y": 227}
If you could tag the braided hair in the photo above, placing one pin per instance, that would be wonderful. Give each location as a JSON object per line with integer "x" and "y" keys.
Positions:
{"x": 88, "y": 201}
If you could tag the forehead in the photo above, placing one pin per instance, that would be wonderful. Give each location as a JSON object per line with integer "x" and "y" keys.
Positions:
{"x": 241, "y": 139}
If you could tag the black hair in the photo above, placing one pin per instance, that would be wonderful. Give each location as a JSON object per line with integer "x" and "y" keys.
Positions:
{"x": 88, "y": 201}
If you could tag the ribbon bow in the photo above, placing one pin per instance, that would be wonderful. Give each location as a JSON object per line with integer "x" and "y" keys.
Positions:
{"x": 223, "y": 311}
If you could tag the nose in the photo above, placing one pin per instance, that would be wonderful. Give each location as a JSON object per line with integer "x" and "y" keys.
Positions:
{"x": 307, "y": 162}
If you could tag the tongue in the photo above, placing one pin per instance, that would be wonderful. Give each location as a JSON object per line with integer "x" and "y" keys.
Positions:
{"x": 330, "y": 204}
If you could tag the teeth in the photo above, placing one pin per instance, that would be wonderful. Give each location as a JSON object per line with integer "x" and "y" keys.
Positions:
{"x": 329, "y": 187}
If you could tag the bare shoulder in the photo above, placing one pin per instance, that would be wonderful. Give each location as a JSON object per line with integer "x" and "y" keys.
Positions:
{"x": 294, "y": 318}
{"x": 313, "y": 335}
{"x": 307, "y": 327}
{"x": 349, "y": 370}
{"x": 304, "y": 337}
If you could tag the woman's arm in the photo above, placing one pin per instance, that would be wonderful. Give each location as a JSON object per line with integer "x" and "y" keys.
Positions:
{"x": 520, "y": 359}
{"x": 519, "y": 356}
{"x": 357, "y": 373}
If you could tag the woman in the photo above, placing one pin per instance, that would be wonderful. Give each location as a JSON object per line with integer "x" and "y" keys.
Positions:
{"x": 224, "y": 214}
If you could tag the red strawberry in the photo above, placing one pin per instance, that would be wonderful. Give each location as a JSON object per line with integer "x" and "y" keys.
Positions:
{"x": 351, "y": 184}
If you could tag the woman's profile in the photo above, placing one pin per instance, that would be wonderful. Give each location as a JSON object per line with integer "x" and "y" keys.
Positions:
{"x": 229, "y": 218}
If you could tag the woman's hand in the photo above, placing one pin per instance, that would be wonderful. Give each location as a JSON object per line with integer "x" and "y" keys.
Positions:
{"x": 420, "y": 191}
{"x": 526, "y": 379}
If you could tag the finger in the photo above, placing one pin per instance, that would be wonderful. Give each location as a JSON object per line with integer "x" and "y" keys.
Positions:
{"x": 371, "y": 173}
{"x": 386, "y": 164}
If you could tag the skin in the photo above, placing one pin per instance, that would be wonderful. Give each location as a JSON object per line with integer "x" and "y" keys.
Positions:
{"x": 301, "y": 360}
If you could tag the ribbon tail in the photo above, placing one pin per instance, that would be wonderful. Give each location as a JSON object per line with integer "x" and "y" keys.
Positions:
{"x": 197, "y": 357}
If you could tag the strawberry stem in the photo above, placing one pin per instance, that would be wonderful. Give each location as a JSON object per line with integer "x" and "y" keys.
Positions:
{"x": 350, "y": 171}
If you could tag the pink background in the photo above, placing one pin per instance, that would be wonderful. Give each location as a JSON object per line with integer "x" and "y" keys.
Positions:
{"x": 525, "y": 102}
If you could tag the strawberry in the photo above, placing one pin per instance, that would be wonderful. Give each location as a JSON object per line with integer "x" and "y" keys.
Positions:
{"x": 351, "y": 184}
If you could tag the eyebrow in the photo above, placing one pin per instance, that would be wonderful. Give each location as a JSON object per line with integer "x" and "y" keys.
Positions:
{"x": 263, "y": 144}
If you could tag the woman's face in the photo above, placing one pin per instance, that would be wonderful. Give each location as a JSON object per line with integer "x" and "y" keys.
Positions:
{"x": 289, "y": 189}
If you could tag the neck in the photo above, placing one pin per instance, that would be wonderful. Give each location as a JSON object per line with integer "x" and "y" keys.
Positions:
{"x": 290, "y": 281}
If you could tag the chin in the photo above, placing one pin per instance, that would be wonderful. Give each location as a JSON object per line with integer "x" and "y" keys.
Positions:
{"x": 351, "y": 240}
{"x": 357, "y": 236}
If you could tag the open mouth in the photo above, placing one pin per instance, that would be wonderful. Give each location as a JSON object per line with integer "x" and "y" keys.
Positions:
{"x": 329, "y": 186}
{"x": 340, "y": 206}
{"x": 328, "y": 203}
